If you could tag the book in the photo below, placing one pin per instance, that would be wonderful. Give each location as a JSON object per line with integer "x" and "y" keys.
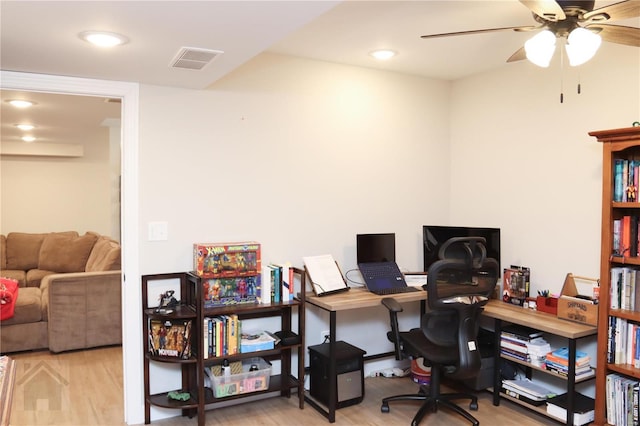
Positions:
{"x": 583, "y": 408}
{"x": 325, "y": 274}
{"x": 521, "y": 332}
{"x": 252, "y": 341}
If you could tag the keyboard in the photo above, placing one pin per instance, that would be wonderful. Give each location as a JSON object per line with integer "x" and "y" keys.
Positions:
{"x": 380, "y": 270}
{"x": 395, "y": 290}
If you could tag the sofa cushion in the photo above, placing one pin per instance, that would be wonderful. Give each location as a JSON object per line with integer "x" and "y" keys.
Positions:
{"x": 65, "y": 253}
{"x": 28, "y": 307}
{"x": 35, "y": 276}
{"x": 23, "y": 250}
{"x": 105, "y": 256}
{"x": 16, "y": 274}
{"x": 3, "y": 252}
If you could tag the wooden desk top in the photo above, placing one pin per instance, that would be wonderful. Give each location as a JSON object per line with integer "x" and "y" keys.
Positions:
{"x": 538, "y": 320}
{"x": 357, "y": 298}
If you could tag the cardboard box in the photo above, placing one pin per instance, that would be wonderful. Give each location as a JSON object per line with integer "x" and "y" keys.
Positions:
{"x": 578, "y": 306}
{"x": 223, "y": 260}
{"x": 230, "y": 291}
{"x": 515, "y": 289}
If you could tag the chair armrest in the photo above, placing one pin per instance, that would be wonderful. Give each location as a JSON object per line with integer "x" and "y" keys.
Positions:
{"x": 84, "y": 309}
{"x": 394, "y": 335}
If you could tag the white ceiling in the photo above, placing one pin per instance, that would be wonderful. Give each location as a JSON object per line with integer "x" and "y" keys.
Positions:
{"x": 42, "y": 36}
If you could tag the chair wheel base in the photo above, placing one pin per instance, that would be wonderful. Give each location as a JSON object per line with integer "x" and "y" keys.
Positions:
{"x": 384, "y": 408}
{"x": 473, "y": 406}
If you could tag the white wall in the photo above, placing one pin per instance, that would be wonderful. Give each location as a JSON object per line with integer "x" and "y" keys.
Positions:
{"x": 300, "y": 156}
{"x": 46, "y": 194}
{"x": 524, "y": 162}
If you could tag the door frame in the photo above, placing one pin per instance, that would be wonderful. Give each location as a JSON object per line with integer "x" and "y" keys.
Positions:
{"x": 131, "y": 294}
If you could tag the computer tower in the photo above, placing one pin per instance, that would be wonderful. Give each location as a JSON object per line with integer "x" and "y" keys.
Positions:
{"x": 349, "y": 374}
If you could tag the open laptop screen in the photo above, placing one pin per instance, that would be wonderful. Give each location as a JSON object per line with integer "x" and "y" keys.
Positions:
{"x": 376, "y": 247}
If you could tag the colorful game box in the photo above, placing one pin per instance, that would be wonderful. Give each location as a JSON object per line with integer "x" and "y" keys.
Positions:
{"x": 221, "y": 260}
{"x": 230, "y": 291}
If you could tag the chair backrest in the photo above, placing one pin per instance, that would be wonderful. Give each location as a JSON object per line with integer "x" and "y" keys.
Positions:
{"x": 459, "y": 284}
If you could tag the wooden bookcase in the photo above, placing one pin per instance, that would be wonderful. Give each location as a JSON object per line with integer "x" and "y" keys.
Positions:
{"x": 621, "y": 143}
{"x": 193, "y": 369}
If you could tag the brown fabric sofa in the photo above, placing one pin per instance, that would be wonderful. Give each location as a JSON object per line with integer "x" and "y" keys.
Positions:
{"x": 70, "y": 291}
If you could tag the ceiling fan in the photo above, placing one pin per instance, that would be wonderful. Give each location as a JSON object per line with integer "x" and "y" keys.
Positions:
{"x": 561, "y": 19}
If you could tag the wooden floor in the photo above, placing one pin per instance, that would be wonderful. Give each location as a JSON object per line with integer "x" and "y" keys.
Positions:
{"x": 85, "y": 388}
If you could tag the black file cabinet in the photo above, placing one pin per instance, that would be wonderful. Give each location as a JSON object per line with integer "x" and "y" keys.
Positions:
{"x": 349, "y": 373}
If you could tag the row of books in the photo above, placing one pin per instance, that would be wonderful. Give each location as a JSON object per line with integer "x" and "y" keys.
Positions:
{"x": 625, "y": 288}
{"x": 277, "y": 283}
{"x": 524, "y": 344}
{"x": 625, "y": 180}
{"x": 224, "y": 335}
{"x": 221, "y": 335}
{"x": 623, "y": 342}
{"x": 622, "y": 400}
{"x": 625, "y": 236}
{"x": 557, "y": 361}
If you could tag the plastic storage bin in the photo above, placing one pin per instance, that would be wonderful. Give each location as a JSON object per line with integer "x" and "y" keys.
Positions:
{"x": 245, "y": 382}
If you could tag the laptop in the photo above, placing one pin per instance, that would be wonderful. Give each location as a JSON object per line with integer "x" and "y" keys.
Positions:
{"x": 376, "y": 261}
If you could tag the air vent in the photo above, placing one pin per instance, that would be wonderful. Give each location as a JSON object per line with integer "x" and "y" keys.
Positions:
{"x": 193, "y": 58}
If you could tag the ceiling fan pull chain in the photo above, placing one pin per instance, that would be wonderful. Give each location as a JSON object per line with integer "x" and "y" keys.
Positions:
{"x": 561, "y": 76}
{"x": 579, "y": 80}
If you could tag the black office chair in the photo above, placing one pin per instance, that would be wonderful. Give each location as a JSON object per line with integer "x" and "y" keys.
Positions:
{"x": 459, "y": 284}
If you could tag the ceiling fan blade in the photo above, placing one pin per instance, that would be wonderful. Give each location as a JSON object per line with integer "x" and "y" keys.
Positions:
{"x": 623, "y": 10}
{"x": 489, "y": 30}
{"x": 519, "y": 55}
{"x": 549, "y": 10}
{"x": 617, "y": 34}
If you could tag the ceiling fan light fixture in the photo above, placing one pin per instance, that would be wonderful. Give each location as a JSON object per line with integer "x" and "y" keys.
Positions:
{"x": 581, "y": 46}
{"x": 383, "y": 54}
{"x": 540, "y": 48}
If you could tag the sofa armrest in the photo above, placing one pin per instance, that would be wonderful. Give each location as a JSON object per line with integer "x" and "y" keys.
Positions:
{"x": 84, "y": 309}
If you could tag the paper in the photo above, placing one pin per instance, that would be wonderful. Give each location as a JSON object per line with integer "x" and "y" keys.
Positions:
{"x": 415, "y": 280}
{"x": 324, "y": 273}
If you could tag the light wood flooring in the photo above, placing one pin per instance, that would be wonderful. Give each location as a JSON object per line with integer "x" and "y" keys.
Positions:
{"x": 85, "y": 388}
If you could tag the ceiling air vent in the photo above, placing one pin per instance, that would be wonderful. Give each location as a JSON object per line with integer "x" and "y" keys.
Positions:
{"x": 193, "y": 58}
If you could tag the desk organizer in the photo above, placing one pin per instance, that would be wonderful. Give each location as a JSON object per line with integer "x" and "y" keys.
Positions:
{"x": 245, "y": 382}
{"x": 547, "y": 304}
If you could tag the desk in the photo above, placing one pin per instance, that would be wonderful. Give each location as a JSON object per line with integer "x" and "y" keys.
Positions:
{"x": 355, "y": 298}
{"x": 542, "y": 321}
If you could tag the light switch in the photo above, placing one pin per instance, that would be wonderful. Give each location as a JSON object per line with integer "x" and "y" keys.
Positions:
{"x": 158, "y": 231}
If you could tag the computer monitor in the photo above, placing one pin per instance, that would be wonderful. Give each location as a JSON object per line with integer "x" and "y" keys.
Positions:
{"x": 376, "y": 247}
{"x": 434, "y": 236}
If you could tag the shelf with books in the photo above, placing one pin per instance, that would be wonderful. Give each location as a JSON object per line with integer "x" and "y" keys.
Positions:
{"x": 215, "y": 391}
{"x": 619, "y": 249}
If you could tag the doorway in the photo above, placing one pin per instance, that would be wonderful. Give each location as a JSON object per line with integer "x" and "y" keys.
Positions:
{"x": 131, "y": 306}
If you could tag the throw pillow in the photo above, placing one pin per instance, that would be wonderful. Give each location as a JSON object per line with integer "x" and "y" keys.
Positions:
{"x": 23, "y": 249}
{"x": 8, "y": 296}
{"x": 65, "y": 253}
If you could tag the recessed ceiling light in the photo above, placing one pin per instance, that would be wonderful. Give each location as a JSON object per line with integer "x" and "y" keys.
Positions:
{"x": 28, "y": 138}
{"x": 20, "y": 103}
{"x": 103, "y": 39}
{"x": 383, "y": 54}
{"x": 25, "y": 127}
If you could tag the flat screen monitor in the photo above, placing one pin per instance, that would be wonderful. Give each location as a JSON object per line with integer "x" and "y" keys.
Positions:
{"x": 376, "y": 247}
{"x": 434, "y": 236}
